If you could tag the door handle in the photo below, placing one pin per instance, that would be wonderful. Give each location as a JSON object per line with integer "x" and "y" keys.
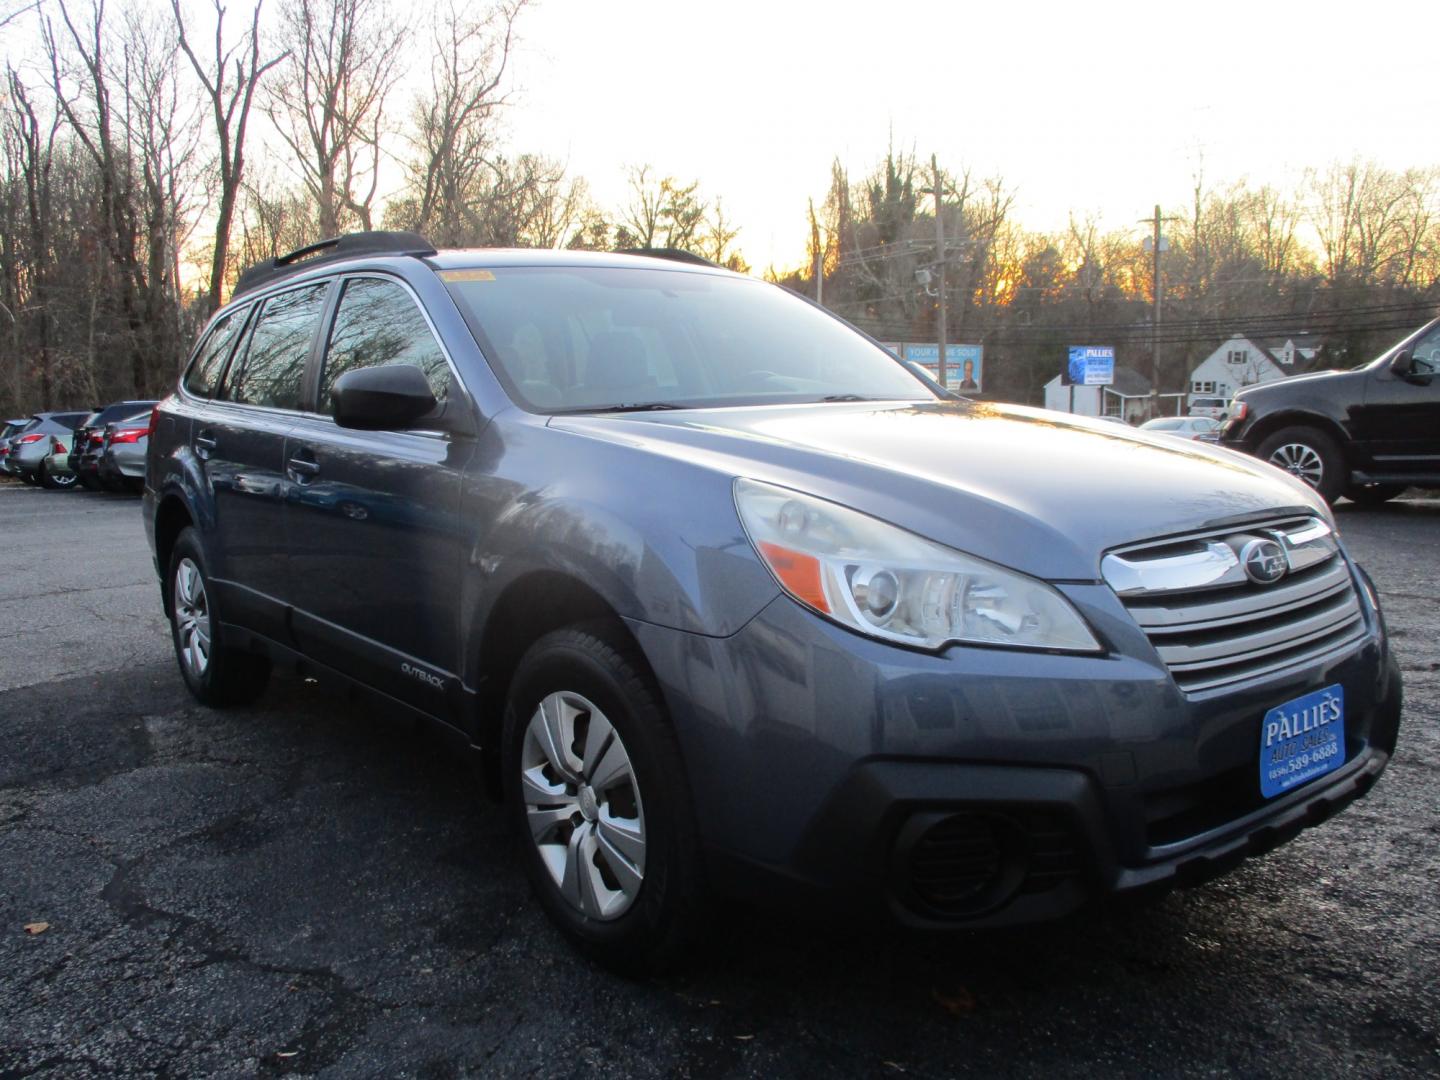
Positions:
{"x": 205, "y": 443}
{"x": 302, "y": 469}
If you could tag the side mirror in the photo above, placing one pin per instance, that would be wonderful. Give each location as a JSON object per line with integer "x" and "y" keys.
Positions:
{"x": 388, "y": 398}
{"x": 1412, "y": 368}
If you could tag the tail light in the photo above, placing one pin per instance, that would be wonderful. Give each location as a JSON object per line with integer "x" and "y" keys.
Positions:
{"x": 96, "y": 438}
{"x": 57, "y": 447}
{"x": 26, "y": 440}
{"x": 130, "y": 434}
{"x": 154, "y": 421}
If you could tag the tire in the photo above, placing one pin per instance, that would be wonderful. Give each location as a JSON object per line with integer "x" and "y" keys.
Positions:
{"x": 1310, "y": 455}
{"x": 51, "y": 482}
{"x": 616, "y": 866}
{"x": 1373, "y": 494}
{"x": 217, "y": 674}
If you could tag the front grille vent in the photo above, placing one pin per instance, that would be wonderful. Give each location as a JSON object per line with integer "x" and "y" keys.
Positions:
{"x": 1214, "y": 625}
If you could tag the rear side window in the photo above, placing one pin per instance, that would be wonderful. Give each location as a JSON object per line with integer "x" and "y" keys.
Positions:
{"x": 377, "y": 323}
{"x": 204, "y": 376}
{"x": 273, "y": 366}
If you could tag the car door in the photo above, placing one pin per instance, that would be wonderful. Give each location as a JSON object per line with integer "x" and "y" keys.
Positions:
{"x": 239, "y": 438}
{"x": 1401, "y": 428}
{"x": 374, "y": 539}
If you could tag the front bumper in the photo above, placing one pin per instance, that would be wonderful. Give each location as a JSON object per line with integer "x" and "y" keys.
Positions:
{"x": 825, "y": 765}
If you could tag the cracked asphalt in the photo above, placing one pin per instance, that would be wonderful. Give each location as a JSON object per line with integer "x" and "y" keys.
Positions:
{"x": 309, "y": 887}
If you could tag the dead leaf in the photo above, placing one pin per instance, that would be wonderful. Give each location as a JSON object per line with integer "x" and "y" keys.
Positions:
{"x": 744, "y": 1038}
{"x": 286, "y": 1053}
{"x": 959, "y": 1002}
{"x": 36, "y": 927}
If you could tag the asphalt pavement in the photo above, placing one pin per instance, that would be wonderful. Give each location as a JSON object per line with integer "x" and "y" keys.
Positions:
{"x": 309, "y": 886}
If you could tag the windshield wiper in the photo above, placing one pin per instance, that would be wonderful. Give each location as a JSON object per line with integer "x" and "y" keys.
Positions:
{"x": 648, "y": 406}
{"x": 846, "y": 397}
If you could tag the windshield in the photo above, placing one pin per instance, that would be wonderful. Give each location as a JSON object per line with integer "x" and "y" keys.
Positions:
{"x": 588, "y": 338}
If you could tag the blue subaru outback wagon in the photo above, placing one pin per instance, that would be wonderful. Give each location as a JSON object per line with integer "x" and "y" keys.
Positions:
{"x": 734, "y": 604}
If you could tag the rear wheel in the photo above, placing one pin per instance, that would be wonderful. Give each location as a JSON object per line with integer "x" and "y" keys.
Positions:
{"x": 216, "y": 673}
{"x": 1373, "y": 494}
{"x": 1309, "y": 455}
{"x": 596, "y": 792}
{"x": 55, "y": 481}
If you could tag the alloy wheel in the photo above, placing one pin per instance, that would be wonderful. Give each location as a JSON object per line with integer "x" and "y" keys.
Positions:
{"x": 1301, "y": 461}
{"x": 192, "y": 618}
{"x": 583, "y": 805}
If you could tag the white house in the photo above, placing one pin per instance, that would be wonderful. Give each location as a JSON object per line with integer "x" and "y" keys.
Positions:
{"x": 1128, "y": 398}
{"x": 1242, "y": 360}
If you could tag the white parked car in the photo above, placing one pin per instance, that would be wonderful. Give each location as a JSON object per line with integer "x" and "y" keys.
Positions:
{"x": 1186, "y": 427}
{"x": 1208, "y": 406}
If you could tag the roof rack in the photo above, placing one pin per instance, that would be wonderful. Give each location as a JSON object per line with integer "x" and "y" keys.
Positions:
{"x": 673, "y": 254}
{"x": 337, "y": 247}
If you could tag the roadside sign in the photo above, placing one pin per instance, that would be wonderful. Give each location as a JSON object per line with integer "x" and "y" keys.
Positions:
{"x": 1090, "y": 365}
{"x": 964, "y": 364}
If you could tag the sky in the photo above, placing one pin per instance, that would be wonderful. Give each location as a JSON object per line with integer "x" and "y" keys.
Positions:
{"x": 1100, "y": 108}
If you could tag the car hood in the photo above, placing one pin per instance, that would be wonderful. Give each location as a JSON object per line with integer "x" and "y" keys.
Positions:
{"x": 1309, "y": 380}
{"x": 1044, "y": 492}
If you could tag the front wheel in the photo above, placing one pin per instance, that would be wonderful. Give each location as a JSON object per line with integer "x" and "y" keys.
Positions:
{"x": 216, "y": 673}
{"x": 1310, "y": 455}
{"x": 596, "y": 792}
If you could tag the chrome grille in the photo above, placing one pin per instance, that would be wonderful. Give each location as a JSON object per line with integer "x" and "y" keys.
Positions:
{"x": 1213, "y": 625}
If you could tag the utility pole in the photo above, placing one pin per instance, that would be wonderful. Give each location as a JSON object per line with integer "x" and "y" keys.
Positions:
{"x": 1155, "y": 322}
{"x": 944, "y": 330}
{"x": 819, "y": 257}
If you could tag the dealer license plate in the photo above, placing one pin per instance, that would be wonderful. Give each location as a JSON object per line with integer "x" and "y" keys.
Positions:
{"x": 1302, "y": 739}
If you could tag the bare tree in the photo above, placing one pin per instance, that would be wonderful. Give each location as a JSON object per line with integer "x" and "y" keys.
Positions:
{"x": 662, "y": 213}
{"x": 161, "y": 124}
{"x": 454, "y": 138}
{"x": 329, "y": 103}
{"x": 30, "y": 148}
{"x": 230, "y": 79}
{"x": 9, "y": 12}
{"x": 81, "y": 80}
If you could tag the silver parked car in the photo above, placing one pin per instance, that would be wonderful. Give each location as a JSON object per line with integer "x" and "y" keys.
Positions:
{"x": 122, "y": 453}
{"x": 1184, "y": 427}
{"x": 46, "y": 434}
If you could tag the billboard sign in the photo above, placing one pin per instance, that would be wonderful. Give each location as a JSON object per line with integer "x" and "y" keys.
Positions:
{"x": 963, "y": 364}
{"x": 1090, "y": 365}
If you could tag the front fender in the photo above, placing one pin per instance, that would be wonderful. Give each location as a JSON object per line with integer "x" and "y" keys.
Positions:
{"x": 658, "y": 540}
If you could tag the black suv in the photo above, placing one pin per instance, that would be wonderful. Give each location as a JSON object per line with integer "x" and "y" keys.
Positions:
{"x": 1367, "y": 433}
{"x": 733, "y": 602}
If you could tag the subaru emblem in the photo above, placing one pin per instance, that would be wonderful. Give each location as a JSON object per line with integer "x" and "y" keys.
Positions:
{"x": 1264, "y": 561}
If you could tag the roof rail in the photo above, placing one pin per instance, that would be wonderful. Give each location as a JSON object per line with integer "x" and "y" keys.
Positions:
{"x": 673, "y": 254}
{"x": 337, "y": 247}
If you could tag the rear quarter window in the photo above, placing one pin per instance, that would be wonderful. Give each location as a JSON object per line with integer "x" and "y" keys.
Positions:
{"x": 203, "y": 378}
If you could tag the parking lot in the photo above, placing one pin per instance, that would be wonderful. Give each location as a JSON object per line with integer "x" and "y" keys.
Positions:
{"x": 309, "y": 886}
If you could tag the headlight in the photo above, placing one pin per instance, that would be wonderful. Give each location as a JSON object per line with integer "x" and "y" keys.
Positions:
{"x": 890, "y": 584}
